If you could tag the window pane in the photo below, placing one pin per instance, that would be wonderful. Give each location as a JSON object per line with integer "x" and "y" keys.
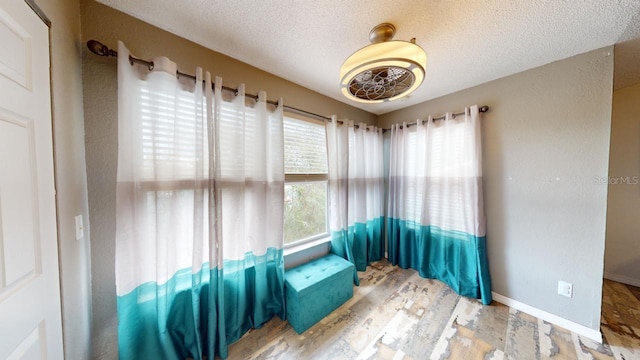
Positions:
{"x": 305, "y": 210}
{"x": 305, "y": 147}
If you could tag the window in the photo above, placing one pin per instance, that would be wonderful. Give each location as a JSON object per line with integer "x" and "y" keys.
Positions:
{"x": 305, "y": 191}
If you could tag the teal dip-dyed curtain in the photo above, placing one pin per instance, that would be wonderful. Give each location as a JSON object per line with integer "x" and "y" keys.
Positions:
{"x": 436, "y": 220}
{"x": 356, "y": 192}
{"x": 200, "y": 189}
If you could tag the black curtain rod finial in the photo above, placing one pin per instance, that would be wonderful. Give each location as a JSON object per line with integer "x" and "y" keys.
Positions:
{"x": 101, "y": 49}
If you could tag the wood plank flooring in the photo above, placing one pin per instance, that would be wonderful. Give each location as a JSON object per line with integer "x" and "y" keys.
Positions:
{"x": 621, "y": 319}
{"x": 396, "y": 314}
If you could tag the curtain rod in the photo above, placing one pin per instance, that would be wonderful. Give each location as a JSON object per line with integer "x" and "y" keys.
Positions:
{"x": 482, "y": 109}
{"x": 100, "y": 49}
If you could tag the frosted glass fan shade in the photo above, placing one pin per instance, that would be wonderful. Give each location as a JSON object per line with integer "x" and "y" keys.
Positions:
{"x": 383, "y": 71}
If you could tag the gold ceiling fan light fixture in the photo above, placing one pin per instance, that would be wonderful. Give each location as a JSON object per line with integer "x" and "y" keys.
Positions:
{"x": 384, "y": 71}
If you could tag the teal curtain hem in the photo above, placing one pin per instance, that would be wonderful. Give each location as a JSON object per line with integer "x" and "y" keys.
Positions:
{"x": 200, "y": 314}
{"x": 456, "y": 258}
{"x": 361, "y": 244}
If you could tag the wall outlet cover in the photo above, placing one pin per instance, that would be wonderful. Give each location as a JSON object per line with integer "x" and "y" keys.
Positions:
{"x": 565, "y": 289}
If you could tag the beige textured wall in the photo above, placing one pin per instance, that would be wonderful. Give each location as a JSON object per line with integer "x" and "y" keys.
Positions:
{"x": 544, "y": 141}
{"x": 100, "y": 104}
{"x": 70, "y": 174}
{"x": 622, "y": 254}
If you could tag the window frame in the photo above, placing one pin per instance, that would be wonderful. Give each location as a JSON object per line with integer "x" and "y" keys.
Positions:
{"x": 309, "y": 178}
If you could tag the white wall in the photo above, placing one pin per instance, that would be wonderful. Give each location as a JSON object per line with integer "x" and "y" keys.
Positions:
{"x": 70, "y": 174}
{"x": 544, "y": 140}
{"x": 622, "y": 254}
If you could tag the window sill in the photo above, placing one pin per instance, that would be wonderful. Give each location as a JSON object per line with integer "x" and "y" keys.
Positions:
{"x": 302, "y": 253}
{"x": 306, "y": 245}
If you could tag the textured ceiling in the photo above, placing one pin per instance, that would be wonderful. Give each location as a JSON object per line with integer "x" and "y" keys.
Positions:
{"x": 468, "y": 42}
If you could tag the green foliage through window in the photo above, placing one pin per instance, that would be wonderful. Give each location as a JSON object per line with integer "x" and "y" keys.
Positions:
{"x": 305, "y": 167}
{"x": 305, "y": 210}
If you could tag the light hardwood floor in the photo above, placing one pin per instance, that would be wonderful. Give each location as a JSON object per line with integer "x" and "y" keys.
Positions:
{"x": 396, "y": 314}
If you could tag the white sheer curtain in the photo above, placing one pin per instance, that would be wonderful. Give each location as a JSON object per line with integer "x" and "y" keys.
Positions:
{"x": 200, "y": 189}
{"x": 338, "y": 171}
{"x": 435, "y": 206}
{"x": 249, "y": 203}
{"x": 356, "y": 191}
{"x": 162, "y": 163}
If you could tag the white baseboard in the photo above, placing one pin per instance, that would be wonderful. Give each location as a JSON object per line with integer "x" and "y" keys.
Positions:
{"x": 622, "y": 279}
{"x": 582, "y": 330}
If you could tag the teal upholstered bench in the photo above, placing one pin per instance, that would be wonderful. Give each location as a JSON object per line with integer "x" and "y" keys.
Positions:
{"x": 315, "y": 289}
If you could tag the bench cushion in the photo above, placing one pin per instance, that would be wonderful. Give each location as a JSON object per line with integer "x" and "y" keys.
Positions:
{"x": 315, "y": 289}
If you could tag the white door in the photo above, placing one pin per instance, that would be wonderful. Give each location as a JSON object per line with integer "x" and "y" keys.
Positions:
{"x": 30, "y": 320}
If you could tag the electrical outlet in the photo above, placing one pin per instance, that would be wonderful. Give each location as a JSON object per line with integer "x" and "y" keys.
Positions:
{"x": 565, "y": 289}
